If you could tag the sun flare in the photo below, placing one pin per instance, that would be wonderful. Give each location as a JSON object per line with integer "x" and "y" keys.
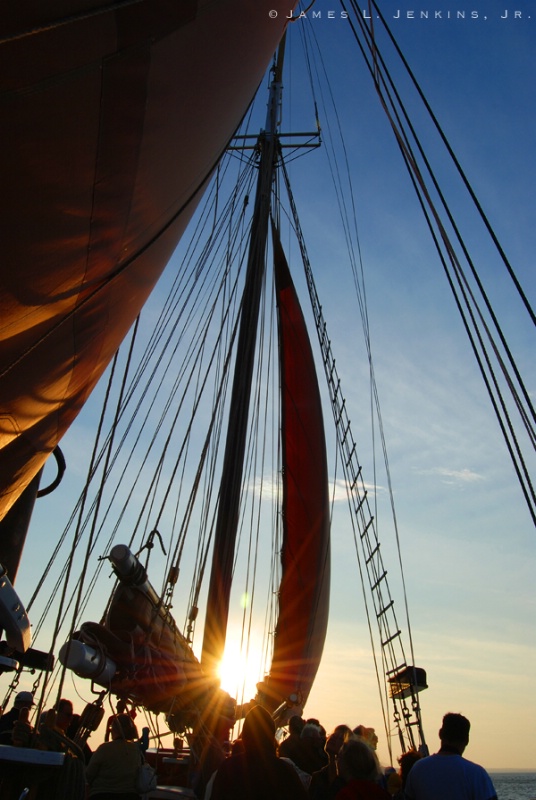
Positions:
{"x": 241, "y": 668}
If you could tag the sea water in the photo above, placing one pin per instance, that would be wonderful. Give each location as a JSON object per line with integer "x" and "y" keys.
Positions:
{"x": 514, "y": 785}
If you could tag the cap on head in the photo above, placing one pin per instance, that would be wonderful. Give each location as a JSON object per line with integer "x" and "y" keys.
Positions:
{"x": 24, "y": 700}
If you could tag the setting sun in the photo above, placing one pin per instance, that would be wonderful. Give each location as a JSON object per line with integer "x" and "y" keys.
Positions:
{"x": 241, "y": 669}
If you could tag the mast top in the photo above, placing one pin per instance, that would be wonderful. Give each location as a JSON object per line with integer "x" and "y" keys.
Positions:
{"x": 273, "y": 115}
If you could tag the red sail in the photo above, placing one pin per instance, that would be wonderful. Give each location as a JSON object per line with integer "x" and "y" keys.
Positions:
{"x": 113, "y": 117}
{"x": 304, "y": 590}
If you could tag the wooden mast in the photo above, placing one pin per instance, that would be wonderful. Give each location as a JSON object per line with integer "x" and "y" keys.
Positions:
{"x": 233, "y": 464}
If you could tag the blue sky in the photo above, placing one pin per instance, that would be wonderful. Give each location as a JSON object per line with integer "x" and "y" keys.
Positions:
{"x": 467, "y": 539}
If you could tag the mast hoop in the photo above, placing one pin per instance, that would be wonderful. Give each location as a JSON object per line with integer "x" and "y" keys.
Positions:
{"x": 61, "y": 467}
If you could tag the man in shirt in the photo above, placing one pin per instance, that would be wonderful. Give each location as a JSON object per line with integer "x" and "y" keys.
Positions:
{"x": 22, "y": 700}
{"x": 446, "y": 774}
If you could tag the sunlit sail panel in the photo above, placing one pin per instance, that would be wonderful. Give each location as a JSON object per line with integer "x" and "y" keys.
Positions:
{"x": 304, "y": 589}
{"x": 113, "y": 118}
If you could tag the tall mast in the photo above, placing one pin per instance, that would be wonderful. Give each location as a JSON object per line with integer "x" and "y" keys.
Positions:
{"x": 233, "y": 463}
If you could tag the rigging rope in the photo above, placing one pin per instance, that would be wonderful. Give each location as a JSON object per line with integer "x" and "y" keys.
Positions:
{"x": 129, "y": 398}
{"x": 361, "y": 515}
{"x": 349, "y": 223}
{"x": 391, "y": 103}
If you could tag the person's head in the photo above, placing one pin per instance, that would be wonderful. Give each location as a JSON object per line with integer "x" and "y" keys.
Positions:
{"x": 23, "y": 700}
{"x": 312, "y": 730}
{"x": 337, "y": 738}
{"x": 258, "y": 733}
{"x": 72, "y": 728}
{"x": 454, "y": 732}
{"x": 123, "y": 727}
{"x": 295, "y": 724}
{"x": 64, "y": 714}
{"x": 406, "y": 761}
{"x": 368, "y": 735}
{"x": 393, "y": 781}
{"x": 357, "y": 761}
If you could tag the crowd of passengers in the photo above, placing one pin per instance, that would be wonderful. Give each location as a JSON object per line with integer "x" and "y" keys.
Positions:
{"x": 306, "y": 764}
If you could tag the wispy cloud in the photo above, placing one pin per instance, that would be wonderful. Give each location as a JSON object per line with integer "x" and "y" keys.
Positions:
{"x": 455, "y": 476}
{"x": 339, "y": 488}
{"x": 267, "y": 486}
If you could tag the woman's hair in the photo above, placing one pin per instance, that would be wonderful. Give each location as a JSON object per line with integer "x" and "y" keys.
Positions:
{"x": 357, "y": 760}
{"x": 124, "y": 728}
{"x": 339, "y": 735}
{"x": 406, "y": 761}
{"x": 345, "y": 730}
{"x": 258, "y": 733}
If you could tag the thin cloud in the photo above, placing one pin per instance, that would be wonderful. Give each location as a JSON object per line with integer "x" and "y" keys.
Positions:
{"x": 455, "y": 476}
{"x": 267, "y": 487}
{"x": 339, "y": 489}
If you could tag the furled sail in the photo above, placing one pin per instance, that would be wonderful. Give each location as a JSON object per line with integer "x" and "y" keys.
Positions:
{"x": 137, "y": 652}
{"x": 113, "y": 117}
{"x": 304, "y": 590}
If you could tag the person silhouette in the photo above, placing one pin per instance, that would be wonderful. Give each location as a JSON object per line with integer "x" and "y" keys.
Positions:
{"x": 7, "y": 720}
{"x": 257, "y": 773}
{"x": 358, "y": 766}
{"x": 446, "y": 774}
